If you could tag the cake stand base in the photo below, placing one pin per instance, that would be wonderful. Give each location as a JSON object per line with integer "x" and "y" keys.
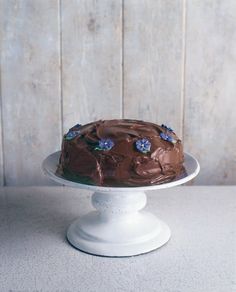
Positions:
{"x": 118, "y": 227}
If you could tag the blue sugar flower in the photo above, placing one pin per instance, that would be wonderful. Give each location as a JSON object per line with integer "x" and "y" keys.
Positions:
{"x": 143, "y": 145}
{"x": 167, "y": 138}
{"x": 75, "y": 126}
{"x": 71, "y": 135}
{"x": 166, "y": 128}
{"x": 105, "y": 144}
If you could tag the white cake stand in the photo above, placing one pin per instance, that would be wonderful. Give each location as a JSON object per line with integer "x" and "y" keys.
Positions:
{"x": 118, "y": 227}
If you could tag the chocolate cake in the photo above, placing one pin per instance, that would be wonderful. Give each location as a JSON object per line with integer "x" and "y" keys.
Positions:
{"x": 121, "y": 153}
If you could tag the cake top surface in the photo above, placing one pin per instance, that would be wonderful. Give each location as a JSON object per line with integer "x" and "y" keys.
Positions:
{"x": 125, "y": 129}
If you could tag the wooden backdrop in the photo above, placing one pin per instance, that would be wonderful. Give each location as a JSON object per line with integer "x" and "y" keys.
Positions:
{"x": 74, "y": 61}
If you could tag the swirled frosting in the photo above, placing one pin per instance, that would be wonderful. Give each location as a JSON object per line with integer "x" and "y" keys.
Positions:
{"x": 83, "y": 161}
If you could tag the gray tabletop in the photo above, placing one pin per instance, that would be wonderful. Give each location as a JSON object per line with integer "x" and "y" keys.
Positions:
{"x": 35, "y": 255}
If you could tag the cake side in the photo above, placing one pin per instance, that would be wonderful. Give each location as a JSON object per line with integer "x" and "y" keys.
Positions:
{"x": 121, "y": 153}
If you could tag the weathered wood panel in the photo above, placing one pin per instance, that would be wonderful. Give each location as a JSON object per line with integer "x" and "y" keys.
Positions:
{"x": 210, "y": 120}
{"x": 30, "y": 86}
{"x": 1, "y": 136}
{"x": 1, "y": 144}
{"x": 87, "y": 41}
{"x": 153, "y": 61}
{"x": 91, "y": 60}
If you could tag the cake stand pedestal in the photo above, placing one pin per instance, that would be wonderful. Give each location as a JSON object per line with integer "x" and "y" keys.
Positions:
{"x": 118, "y": 226}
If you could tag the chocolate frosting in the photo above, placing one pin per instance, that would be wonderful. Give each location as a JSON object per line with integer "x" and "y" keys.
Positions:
{"x": 123, "y": 165}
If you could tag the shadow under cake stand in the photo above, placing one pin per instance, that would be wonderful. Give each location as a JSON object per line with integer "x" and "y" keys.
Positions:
{"x": 118, "y": 226}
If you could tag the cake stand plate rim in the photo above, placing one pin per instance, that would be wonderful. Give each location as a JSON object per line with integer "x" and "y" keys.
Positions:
{"x": 50, "y": 164}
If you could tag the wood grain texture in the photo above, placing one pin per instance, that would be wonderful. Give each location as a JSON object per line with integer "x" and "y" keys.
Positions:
{"x": 30, "y": 87}
{"x": 1, "y": 144}
{"x": 1, "y": 132}
{"x": 153, "y": 61}
{"x": 66, "y": 62}
{"x": 91, "y": 60}
{"x": 210, "y": 122}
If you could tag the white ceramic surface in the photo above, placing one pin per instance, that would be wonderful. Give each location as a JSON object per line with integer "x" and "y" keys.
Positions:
{"x": 118, "y": 226}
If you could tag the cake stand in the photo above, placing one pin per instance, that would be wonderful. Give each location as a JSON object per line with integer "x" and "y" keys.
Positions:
{"x": 118, "y": 226}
